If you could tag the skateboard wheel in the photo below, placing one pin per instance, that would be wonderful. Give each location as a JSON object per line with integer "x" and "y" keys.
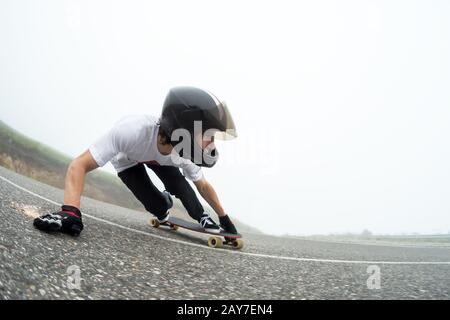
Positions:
{"x": 238, "y": 244}
{"x": 173, "y": 227}
{"x": 215, "y": 242}
{"x": 154, "y": 223}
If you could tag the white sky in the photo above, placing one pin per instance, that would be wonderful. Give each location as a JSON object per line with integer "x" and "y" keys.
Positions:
{"x": 342, "y": 107}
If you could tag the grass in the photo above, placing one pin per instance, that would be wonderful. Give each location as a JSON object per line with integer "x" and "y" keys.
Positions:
{"x": 426, "y": 240}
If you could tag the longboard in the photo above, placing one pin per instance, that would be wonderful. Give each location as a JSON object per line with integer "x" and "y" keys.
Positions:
{"x": 217, "y": 240}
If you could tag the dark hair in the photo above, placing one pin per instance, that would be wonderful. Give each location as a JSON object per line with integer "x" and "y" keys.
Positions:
{"x": 164, "y": 137}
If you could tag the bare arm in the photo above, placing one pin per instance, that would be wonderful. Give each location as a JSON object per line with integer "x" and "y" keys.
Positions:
{"x": 74, "y": 182}
{"x": 209, "y": 194}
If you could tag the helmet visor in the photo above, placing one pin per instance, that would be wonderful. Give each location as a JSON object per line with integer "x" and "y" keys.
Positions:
{"x": 227, "y": 122}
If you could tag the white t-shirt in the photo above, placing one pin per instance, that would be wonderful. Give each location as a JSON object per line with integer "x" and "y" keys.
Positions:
{"x": 133, "y": 140}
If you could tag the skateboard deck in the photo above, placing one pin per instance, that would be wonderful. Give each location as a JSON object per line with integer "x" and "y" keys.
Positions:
{"x": 217, "y": 240}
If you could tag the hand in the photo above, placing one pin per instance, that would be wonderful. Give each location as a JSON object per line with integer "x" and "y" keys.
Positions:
{"x": 67, "y": 220}
{"x": 227, "y": 225}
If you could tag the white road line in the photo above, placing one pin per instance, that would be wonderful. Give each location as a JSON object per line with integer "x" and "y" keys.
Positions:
{"x": 235, "y": 252}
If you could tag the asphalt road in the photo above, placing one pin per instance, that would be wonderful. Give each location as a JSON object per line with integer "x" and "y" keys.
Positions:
{"x": 118, "y": 256}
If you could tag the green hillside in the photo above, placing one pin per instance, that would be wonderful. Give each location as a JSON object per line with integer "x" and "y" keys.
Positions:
{"x": 38, "y": 161}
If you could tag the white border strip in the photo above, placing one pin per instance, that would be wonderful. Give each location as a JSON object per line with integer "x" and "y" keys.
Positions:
{"x": 231, "y": 251}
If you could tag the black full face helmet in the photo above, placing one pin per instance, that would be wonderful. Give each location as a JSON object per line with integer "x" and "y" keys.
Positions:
{"x": 194, "y": 114}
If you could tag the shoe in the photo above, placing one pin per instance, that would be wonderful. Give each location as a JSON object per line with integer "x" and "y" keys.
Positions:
{"x": 208, "y": 224}
{"x": 68, "y": 220}
{"x": 169, "y": 201}
{"x": 163, "y": 219}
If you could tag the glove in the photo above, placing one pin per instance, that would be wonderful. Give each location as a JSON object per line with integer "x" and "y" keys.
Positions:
{"x": 68, "y": 220}
{"x": 227, "y": 225}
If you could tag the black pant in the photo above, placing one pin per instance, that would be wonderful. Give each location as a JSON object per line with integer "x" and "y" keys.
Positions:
{"x": 138, "y": 181}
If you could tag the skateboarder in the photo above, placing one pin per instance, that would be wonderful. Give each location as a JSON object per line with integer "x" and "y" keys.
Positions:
{"x": 182, "y": 137}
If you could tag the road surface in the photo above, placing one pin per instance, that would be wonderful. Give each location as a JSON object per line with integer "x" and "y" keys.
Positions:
{"x": 118, "y": 256}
